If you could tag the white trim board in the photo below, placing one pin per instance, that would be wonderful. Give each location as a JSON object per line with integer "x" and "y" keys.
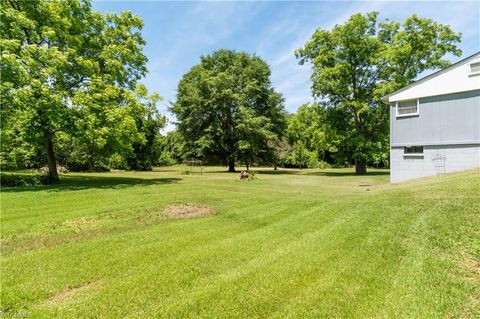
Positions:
{"x": 453, "y": 79}
{"x": 447, "y": 143}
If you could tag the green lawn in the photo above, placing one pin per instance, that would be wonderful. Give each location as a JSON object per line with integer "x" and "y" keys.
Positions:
{"x": 289, "y": 244}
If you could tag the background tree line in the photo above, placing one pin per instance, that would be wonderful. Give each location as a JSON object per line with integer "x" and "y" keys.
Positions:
{"x": 71, "y": 94}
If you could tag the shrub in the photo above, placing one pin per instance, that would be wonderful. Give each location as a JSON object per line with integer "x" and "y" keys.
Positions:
{"x": 185, "y": 171}
{"x": 323, "y": 165}
{"x": 312, "y": 160}
{"x": 14, "y": 180}
{"x": 251, "y": 175}
{"x": 166, "y": 159}
{"x": 118, "y": 161}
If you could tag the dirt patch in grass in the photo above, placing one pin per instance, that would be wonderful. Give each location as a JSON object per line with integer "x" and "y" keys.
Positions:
{"x": 85, "y": 222}
{"x": 68, "y": 294}
{"x": 42, "y": 241}
{"x": 471, "y": 273}
{"x": 188, "y": 211}
{"x": 472, "y": 266}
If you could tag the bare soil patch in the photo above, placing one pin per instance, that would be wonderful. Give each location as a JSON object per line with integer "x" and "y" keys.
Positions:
{"x": 188, "y": 211}
{"x": 473, "y": 267}
{"x": 85, "y": 222}
{"x": 69, "y": 293}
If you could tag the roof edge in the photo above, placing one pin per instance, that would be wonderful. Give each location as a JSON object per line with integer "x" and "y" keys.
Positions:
{"x": 430, "y": 76}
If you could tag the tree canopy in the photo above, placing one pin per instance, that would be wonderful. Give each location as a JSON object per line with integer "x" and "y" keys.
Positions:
{"x": 358, "y": 62}
{"x": 68, "y": 71}
{"x": 227, "y": 109}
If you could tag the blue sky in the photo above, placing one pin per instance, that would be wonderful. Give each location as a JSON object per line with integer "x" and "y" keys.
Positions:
{"x": 178, "y": 33}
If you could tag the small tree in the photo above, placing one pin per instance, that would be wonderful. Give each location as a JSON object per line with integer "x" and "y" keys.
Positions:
{"x": 146, "y": 151}
{"x": 309, "y": 126}
{"x": 355, "y": 64}
{"x": 255, "y": 133}
{"x": 280, "y": 151}
{"x": 301, "y": 156}
{"x": 172, "y": 149}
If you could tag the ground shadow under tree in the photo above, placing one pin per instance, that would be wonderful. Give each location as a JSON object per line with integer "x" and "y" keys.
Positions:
{"x": 319, "y": 173}
{"x": 77, "y": 182}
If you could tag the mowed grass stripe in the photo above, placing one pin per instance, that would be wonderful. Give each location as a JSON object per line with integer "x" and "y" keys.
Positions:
{"x": 184, "y": 265}
{"x": 127, "y": 220}
{"x": 102, "y": 249}
{"x": 282, "y": 257}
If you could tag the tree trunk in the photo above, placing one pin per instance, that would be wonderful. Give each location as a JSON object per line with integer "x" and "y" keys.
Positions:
{"x": 360, "y": 167}
{"x": 231, "y": 165}
{"x": 247, "y": 166}
{"x": 275, "y": 167}
{"x": 52, "y": 162}
{"x": 90, "y": 161}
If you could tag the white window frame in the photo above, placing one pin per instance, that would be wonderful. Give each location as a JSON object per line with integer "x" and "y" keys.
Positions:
{"x": 472, "y": 73}
{"x": 413, "y": 154}
{"x": 408, "y": 114}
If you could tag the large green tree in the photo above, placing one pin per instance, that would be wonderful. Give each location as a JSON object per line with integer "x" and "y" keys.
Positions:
{"x": 355, "y": 64}
{"x": 54, "y": 53}
{"x": 227, "y": 109}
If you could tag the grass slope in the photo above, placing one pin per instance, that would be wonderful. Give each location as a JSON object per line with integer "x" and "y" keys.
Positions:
{"x": 290, "y": 244}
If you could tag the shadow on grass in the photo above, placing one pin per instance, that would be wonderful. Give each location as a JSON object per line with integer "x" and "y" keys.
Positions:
{"x": 161, "y": 169}
{"x": 278, "y": 172}
{"x": 321, "y": 173}
{"x": 69, "y": 183}
{"x": 339, "y": 174}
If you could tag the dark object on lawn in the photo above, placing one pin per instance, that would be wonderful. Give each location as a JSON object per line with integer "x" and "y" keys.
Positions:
{"x": 60, "y": 169}
{"x": 244, "y": 175}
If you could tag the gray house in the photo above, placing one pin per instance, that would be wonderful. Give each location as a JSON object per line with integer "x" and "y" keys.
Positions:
{"x": 435, "y": 123}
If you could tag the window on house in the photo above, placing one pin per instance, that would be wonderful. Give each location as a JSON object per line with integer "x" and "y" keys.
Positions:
{"x": 413, "y": 150}
{"x": 405, "y": 108}
{"x": 475, "y": 68}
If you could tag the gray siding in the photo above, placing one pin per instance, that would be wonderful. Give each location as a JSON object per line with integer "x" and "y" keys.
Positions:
{"x": 452, "y": 119}
{"x": 435, "y": 160}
